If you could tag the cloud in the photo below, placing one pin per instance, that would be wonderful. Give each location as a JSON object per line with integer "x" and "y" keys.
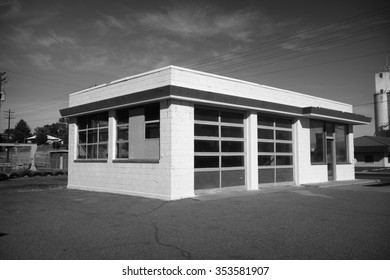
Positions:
{"x": 108, "y": 22}
{"x": 9, "y": 8}
{"x": 55, "y": 39}
{"x": 200, "y": 21}
{"x": 40, "y": 60}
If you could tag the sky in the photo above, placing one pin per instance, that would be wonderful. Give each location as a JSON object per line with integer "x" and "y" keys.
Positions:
{"x": 49, "y": 49}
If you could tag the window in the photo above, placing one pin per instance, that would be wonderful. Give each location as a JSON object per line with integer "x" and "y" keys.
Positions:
{"x": 93, "y": 136}
{"x": 122, "y": 140}
{"x": 341, "y": 132}
{"x": 138, "y": 133}
{"x": 369, "y": 158}
{"x": 317, "y": 139}
{"x": 152, "y": 121}
{"x": 319, "y": 131}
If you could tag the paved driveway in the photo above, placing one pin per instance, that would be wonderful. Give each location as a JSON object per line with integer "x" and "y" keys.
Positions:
{"x": 348, "y": 222}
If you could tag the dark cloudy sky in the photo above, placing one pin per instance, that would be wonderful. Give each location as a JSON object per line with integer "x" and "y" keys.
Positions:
{"x": 327, "y": 48}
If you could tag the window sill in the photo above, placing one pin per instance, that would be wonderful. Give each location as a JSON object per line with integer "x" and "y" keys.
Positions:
{"x": 136, "y": 160}
{"x": 91, "y": 160}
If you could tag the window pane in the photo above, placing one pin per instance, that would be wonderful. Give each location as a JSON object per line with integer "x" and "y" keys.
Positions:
{"x": 82, "y": 122}
{"x": 230, "y": 117}
{"x": 152, "y": 130}
{"x": 103, "y": 135}
{"x": 265, "y": 120}
{"x": 103, "y": 151}
{"x": 266, "y": 175}
{"x": 92, "y": 136}
{"x": 233, "y": 178}
{"x": 231, "y": 131}
{"x": 152, "y": 112}
{"x": 265, "y": 147}
{"x": 266, "y": 160}
{"x": 265, "y": 133}
{"x": 82, "y": 151}
{"x": 283, "y": 148}
{"x": 206, "y": 130}
{"x": 122, "y": 116}
{"x": 123, "y": 133}
{"x": 103, "y": 119}
{"x": 206, "y": 180}
{"x": 91, "y": 151}
{"x": 284, "y": 160}
{"x": 341, "y": 143}
{"x": 283, "y": 135}
{"x": 122, "y": 150}
{"x": 206, "y": 115}
{"x": 232, "y": 146}
{"x": 286, "y": 123}
{"x": 206, "y": 146}
{"x": 317, "y": 141}
{"x": 82, "y": 137}
{"x": 232, "y": 161}
{"x": 284, "y": 175}
{"x": 206, "y": 161}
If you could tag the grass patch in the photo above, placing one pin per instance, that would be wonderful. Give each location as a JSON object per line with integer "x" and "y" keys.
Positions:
{"x": 38, "y": 183}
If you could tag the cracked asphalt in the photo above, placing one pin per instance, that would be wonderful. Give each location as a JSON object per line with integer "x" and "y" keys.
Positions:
{"x": 346, "y": 222}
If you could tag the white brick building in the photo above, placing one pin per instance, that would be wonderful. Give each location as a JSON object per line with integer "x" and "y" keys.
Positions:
{"x": 170, "y": 132}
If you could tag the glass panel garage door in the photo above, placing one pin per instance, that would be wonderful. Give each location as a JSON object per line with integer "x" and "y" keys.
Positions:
{"x": 275, "y": 150}
{"x": 219, "y": 148}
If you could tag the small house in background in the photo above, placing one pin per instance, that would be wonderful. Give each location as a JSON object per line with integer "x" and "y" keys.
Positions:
{"x": 174, "y": 132}
{"x": 372, "y": 151}
{"x": 50, "y": 139}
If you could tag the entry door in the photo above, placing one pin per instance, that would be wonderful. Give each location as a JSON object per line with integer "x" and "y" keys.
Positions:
{"x": 330, "y": 158}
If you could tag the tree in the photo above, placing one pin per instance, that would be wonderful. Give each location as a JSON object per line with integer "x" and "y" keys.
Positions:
{"x": 21, "y": 131}
{"x": 41, "y": 133}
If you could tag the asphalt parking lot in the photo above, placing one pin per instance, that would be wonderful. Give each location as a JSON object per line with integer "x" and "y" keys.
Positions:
{"x": 322, "y": 222}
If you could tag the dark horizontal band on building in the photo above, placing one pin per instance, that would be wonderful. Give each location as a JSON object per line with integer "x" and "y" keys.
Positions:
{"x": 175, "y": 92}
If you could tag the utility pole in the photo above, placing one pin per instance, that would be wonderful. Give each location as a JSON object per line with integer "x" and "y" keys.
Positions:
{"x": 3, "y": 80}
{"x": 8, "y": 115}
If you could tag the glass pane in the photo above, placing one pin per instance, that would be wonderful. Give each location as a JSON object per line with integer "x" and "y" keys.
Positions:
{"x": 82, "y": 137}
{"x": 265, "y": 147}
{"x": 283, "y": 148}
{"x": 266, "y": 160}
{"x": 93, "y": 121}
{"x": 206, "y": 146}
{"x": 152, "y": 112}
{"x": 233, "y": 178}
{"x": 317, "y": 141}
{"x": 265, "y": 120}
{"x": 123, "y": 133}
{"x": 103, "y": 151}
{"x": 266, "y": 175}
{"x": 82, "y": 122}
{"x": 284, "y": 175}
{"x": 232, "y": 131}
{"x": 103, "y": 135}
{"x": 286, "y": 123}
{"x": 283, "y": 135}
{"x": 206, "y": 180}
{"x": 232, "y": 161}
{"x": 265, "y": 133}
{"x": 103, "y": 119}
{"x": 122, "y": 150}
{"x": 82, "y": 151}
{"x": 122, "y": 116}
{"x": 341, "y": 143}
{"x": 206, "y": 115}
{"x": 206, "y": 161}
{"x": 284, "y": 160}
{"x": 232, "y": 146}
{"x": 91, "y": 151}
{"x": 230, "y": 117}
{"x": 92, "y": 136}
{"x": 206, "y": 130}
{"x": 152, "y": 130}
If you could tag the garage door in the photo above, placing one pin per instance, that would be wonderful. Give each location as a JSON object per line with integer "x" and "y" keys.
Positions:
{"x": 219, "y": 148}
